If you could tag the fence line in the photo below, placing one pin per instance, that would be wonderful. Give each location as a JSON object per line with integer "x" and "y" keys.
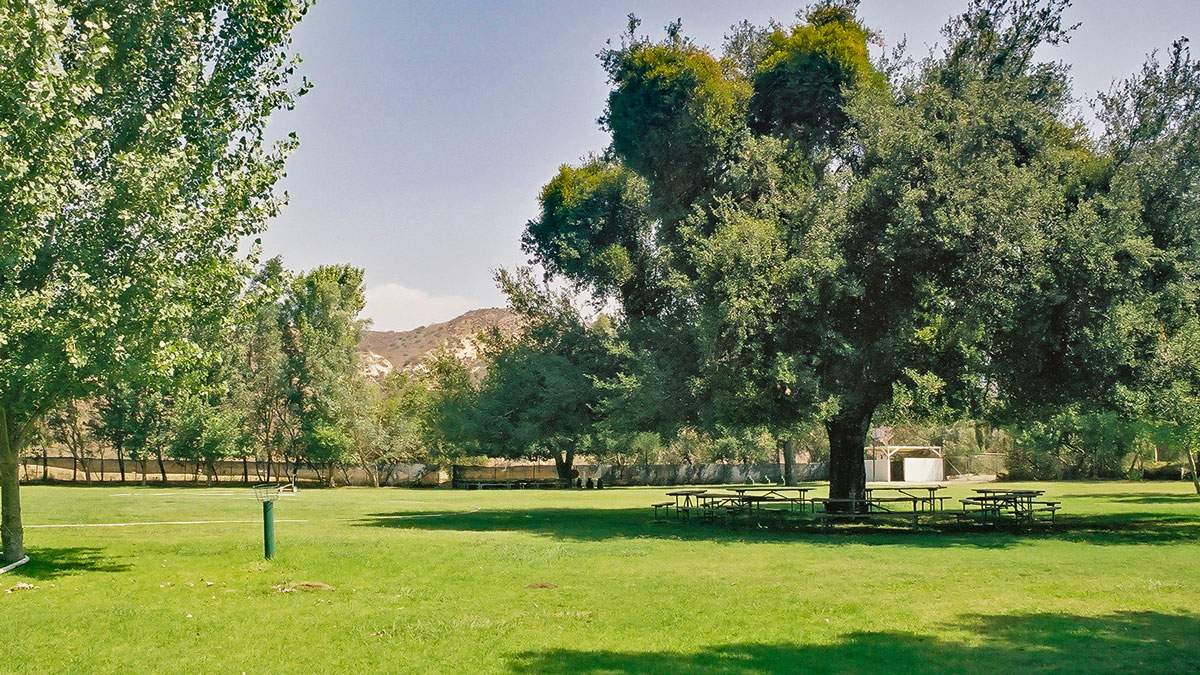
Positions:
{"x": 95, "y": 470}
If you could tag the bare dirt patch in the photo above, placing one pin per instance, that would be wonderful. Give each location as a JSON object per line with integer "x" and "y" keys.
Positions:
{"x": 302, "y": 587}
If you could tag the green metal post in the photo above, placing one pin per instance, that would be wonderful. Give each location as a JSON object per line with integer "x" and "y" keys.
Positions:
{"x": 269, "y": 529}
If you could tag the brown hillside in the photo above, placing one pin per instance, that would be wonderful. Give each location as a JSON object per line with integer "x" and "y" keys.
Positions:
{"x": 404, "y": 350}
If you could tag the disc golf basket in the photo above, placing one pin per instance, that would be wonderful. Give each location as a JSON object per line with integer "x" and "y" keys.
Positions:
{"x": 267, "y": 493}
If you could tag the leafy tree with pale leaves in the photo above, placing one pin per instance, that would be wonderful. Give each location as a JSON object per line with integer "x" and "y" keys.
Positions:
{"x": 133, "y": 161}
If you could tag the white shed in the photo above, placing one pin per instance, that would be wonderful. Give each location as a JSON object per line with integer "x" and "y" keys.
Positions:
{"x": 907, "y": 463}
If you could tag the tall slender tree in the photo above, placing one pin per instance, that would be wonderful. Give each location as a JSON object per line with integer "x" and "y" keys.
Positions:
{"x": 320, "y": 333}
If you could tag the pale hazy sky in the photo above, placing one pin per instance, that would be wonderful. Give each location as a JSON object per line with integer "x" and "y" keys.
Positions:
{"x": 433, "y": 124}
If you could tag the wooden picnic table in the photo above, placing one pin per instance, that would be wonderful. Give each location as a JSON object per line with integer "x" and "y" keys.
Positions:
{"x": 709, "y": 502}
{"x": 1008, "y": 491}
{"x": 773, "y": 492}
{"x": 931, "y": 498}
{"x": 1018, "y": 501}
{"x": 688, "y": 497}
{"x": 776, "y": 490}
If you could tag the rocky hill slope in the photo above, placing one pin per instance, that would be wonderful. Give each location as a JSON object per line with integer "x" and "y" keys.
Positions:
{"x": 384, "y": 351}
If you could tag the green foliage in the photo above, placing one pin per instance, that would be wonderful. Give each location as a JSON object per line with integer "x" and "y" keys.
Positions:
{"x": 418, "y": 406}
{"x": 133, "y": 163}
{"x": 799, "y": 79}
{"x": 672, "y": 113}
{"x": 320, "y": 331}
{"x": 943, "y": 241}
{"x": 1074, "y": 444}
{"x": 539, "y": 398}
{"x": 593, "y": 229}
{"x": 260, "y": 385}
{"x": 134, "y": 422}
{"x": 204, "y": 433}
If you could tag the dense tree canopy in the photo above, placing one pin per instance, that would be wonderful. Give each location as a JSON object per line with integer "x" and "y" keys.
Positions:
{"x": 829, "y": 230}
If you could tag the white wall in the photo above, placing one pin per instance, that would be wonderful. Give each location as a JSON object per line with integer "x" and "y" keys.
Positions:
{"x": 923, "y": 470}
{"x": 877, "y": 469}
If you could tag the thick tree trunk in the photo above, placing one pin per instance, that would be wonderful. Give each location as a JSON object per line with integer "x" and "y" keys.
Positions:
{"x": 142, "y": 462}
{"x": 1192, "y": 462}
{"x": 847, "y": 438}
{"x": 11, "y": 532}
{"x": 162, "y": 468}
{"x": 789, "y": 461}
{"x": 45, "y": 463}
{"x": 564, "y": 462}
{"x": 245, "y": 470}
{"x": 121, "y": 464}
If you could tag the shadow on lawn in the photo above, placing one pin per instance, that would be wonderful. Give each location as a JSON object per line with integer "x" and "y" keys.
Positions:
{"x": 50, "y": 563}
{"x": 1121, "y": 642}
{"x": 1181, "y": 499}
{"x": 581, "y": 524}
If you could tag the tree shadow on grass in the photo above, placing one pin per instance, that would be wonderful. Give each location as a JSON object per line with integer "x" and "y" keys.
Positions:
{"x": 1135, "y": 498}
{"x": 580, "y": 524}
{"x": 50, "y": 563}
{"x": 1121, "y": 642}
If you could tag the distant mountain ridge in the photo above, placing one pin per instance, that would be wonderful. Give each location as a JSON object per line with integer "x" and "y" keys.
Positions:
{"x": 381, "y": 352}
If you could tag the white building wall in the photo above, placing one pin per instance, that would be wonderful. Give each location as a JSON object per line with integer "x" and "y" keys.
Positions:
{"x": 877, "y": 470}
{"x": 924, "y": 470}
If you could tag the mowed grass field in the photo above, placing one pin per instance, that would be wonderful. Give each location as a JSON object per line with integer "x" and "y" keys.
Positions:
{"x": 585, "y": 581}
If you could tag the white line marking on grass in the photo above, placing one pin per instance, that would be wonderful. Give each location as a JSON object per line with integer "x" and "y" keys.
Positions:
{"x": 9, "y": 568}
{"x": 247, "y": 494}
{"x": 161, "y": 522}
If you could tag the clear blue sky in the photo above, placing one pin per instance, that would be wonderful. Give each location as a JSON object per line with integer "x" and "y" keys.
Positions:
{"x": 433, "y": 124}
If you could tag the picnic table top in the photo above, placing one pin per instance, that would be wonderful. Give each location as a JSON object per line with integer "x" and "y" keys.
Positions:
{"x": 766, "y": 488}
{"x": 682, "y": 493}
{"x": 870, "y": 499}
{"x": 905, "y": 487}
{"x": 994, "y": 491}
{"x": 730, "y": 495}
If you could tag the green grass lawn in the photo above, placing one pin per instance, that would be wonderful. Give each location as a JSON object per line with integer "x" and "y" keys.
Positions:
{"x": 448, "y": 581}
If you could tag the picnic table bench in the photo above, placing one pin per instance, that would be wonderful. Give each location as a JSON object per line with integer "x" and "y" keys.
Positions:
{"x": 929, "y": 501}
{"x": 868, "y": 508}
{"x": 685, "y": 500}
{"x": 661, "y": 507}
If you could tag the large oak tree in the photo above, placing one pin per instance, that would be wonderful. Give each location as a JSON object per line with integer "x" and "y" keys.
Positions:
{"x": 797, "y": 230}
